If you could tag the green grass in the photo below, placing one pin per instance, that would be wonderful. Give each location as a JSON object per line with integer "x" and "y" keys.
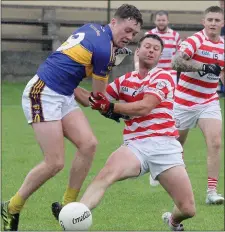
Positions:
{"x": 127, "y": 205}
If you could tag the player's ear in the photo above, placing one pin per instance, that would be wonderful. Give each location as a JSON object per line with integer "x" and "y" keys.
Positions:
{"x": 113, "y": 21}
{"x": 203, "y": 21}
{"x": 137, "y": 51}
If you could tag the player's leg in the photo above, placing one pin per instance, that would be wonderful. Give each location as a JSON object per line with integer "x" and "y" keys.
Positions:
{"x": 122, "y": 164}
{"x": 185, "y": 119}
{"x": 183, "y": 134}
{"x": 182, "y": 138}
{"x": 166, "y": 164}
{"x": 77, "y": 129}
{"x": 50, "y": 138}
{"x": 212, "y": 131}
{"x": 42, "y": 109}
{"x": 176, "y": 182}
{"x": 86, "y": 144}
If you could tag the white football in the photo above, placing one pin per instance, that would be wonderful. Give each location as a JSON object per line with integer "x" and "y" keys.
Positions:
{"x": 75, "y": 216}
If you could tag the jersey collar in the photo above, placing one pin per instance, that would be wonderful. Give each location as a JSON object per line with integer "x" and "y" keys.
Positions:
{"x": 167, "y": 30}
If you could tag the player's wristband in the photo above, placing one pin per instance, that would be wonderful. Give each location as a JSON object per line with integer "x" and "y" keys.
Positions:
{"x": 111, "y": 108}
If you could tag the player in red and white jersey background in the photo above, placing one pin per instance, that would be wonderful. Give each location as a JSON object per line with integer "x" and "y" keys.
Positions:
{"x": 150, "y": 143}
{"x": 171, "y": 41}
{"x": 200, "y": 58}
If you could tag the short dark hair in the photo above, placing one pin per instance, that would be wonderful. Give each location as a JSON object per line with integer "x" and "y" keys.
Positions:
{"x": 153, "y": 36}
{"x": 129, "y": 11}
{"x": 215, "y": 9}
{"x": 162, "y": 12}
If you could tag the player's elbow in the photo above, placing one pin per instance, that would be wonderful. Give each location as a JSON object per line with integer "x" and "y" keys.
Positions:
{"x": 174, "y": 62}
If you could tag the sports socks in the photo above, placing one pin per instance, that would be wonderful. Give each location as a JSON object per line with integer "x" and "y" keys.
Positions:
{"x": 70, "y": 195}
{"x": 16, "y": 204}
{"x": 212, "y": 183}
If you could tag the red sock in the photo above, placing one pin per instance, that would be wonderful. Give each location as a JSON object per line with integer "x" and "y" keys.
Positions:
{"x": 212, "y": 183}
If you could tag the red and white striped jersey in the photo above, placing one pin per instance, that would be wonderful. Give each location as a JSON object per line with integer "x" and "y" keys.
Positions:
{"x": 171, "y": 41}
{"x": 131, "y": 88}
{"x": 198, "y": 87}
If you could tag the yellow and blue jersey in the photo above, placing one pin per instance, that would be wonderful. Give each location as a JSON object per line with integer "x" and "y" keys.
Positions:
{"x": 88, "y": 52}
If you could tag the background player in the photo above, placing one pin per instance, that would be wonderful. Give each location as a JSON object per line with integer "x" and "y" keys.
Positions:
{"x": 171, "y": 41}
{"x": 49, "y": 105}
{"x": 149, "y": 136}
{"x": 200, "y": 59}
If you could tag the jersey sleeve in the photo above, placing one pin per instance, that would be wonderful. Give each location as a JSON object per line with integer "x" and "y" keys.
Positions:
{"x": 113, "y": 89}
{"x": 161, "y": 87}
{"x": 102, "y": 61}
{"x": 190, "y": 45}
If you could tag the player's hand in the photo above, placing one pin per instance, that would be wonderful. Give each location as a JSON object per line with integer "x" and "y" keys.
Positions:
{"x": 211, "y": 68}
{"x": 100, "y": 102}
{"x": 114, "y": 116}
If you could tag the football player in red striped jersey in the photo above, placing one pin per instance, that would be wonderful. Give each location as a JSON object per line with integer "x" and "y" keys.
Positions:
{"x": 200, "y": 59}
{"x": 150, "y": 136}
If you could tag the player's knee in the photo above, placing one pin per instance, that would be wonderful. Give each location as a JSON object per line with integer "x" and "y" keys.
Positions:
{"x": 187, "y": 209}
{"x": 216, "y": 143}
{"x": 88, "y": 147}
{"x": 55, "y": 165}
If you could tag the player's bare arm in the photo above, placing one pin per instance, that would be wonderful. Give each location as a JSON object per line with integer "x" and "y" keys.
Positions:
{"x": 138, "y": 108}
{"x": 181, "y": 62}
{"x": 99, "y": 86}
{"x": 81, "y": 95}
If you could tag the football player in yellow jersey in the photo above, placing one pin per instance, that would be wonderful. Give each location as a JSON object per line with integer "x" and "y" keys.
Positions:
{"x": 51, "y": 110}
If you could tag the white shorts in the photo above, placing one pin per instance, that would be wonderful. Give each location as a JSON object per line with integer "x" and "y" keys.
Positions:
{"x": 41, "y": 104}
{"x": 156, "y": 154}
{"x": 187, "y": 117}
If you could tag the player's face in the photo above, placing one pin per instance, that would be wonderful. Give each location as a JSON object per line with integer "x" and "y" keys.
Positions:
{"x": 149, "y": 52}
{"x": 124, "y": 31}
{"x": 161, "y": 22}
{"x": 213, "y": 23}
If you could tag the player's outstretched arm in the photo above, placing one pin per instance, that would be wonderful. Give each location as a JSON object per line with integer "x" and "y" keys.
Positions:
{"x": 138, "y": 108}
{"x": 181, "y": 62}
{"x": 81, "y": 95}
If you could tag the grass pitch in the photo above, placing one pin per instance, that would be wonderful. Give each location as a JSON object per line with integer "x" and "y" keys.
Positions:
{"x": 127, "y": 205}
